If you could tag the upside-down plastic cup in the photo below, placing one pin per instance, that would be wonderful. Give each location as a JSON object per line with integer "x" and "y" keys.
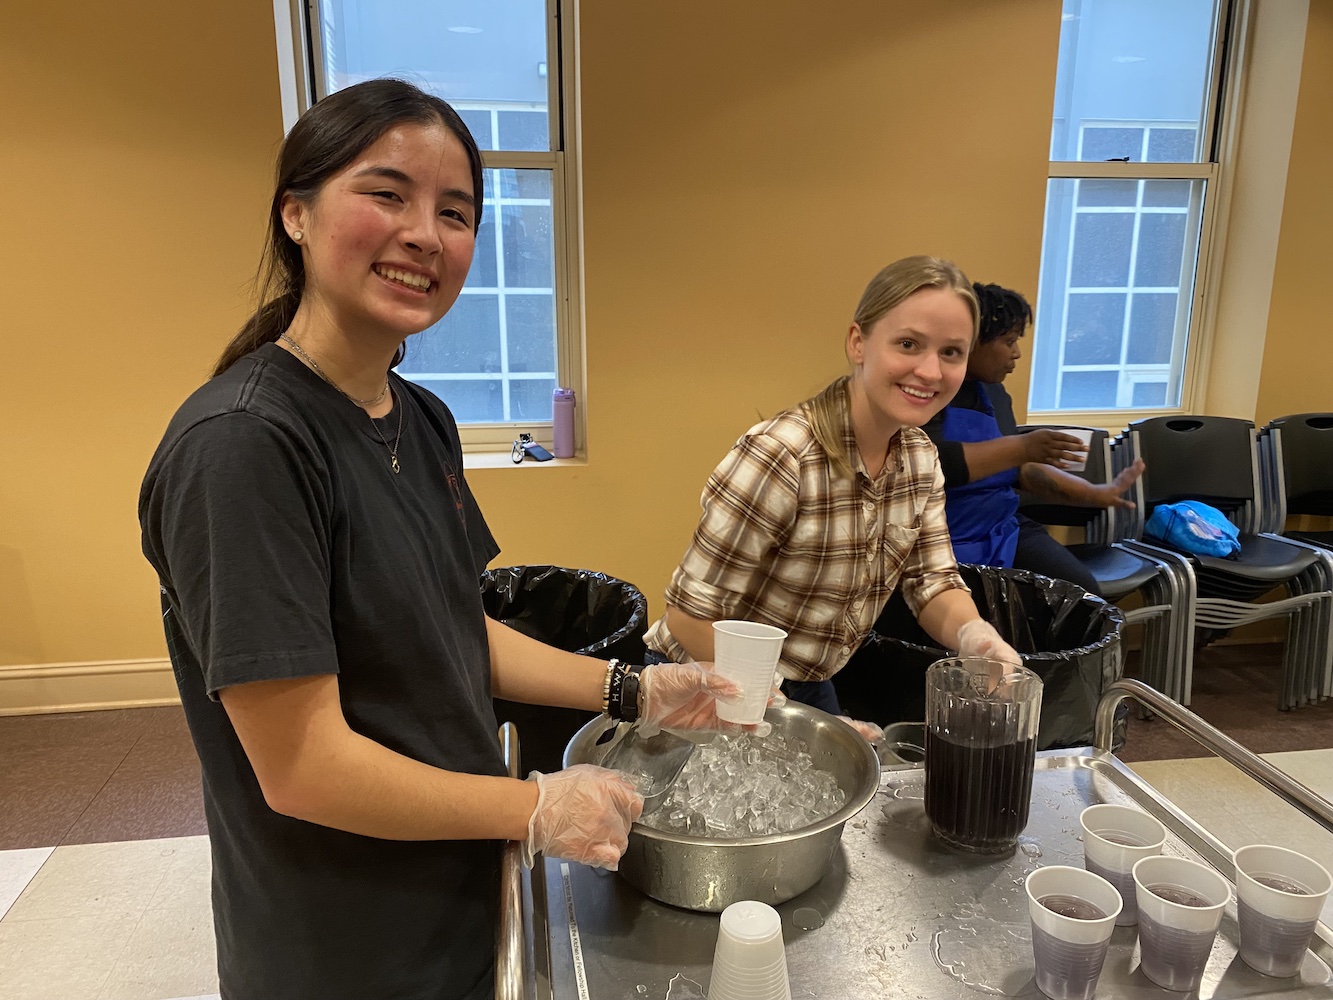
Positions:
{"x": 1180, "y": 906}
{"x": 747, "y": 653}
{"x": 1073, "y": 914}
{"x": 1114, "y": 838}
{"x": 1279, "y": 896}
{"x": 749, "y": 962}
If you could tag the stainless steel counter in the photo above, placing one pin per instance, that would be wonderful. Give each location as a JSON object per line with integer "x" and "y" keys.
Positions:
{"x": 898, "y": 915}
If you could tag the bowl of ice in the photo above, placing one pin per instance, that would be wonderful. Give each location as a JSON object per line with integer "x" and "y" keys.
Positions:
{"x": 747, "y": 817}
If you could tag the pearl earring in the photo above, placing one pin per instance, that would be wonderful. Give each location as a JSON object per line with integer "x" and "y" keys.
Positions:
{"x": 297, "y": 234}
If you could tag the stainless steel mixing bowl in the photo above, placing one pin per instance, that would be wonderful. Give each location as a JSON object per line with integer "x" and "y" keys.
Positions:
{"x": 699, "y": 873}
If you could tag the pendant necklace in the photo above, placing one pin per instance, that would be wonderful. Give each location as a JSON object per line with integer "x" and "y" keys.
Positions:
{"x": 360, "y": 403}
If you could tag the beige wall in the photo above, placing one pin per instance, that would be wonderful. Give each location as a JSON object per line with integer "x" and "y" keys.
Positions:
{"x": 745, "y": 176}
{"x": 747, "y": 167}
{"x": 135, "y": 159}
{"x": 1298, "y": 352}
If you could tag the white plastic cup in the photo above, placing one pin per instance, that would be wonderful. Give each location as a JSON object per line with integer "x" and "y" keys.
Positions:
{"x": 1175, "y": 939}
{"x": 1070, "y": 951}
{"x": 1114, "y": 838}
{"x": 1084, "y": 435}
{"x": 1276, "y": 923}
{"x": 749, "y": 961}
{"x": 747, "y": 653}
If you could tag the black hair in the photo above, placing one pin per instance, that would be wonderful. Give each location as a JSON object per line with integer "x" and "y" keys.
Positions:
{"x": 324, "y": 140}
{"x": 1003, "y": 311}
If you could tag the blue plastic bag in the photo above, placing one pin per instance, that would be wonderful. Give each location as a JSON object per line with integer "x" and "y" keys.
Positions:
{"x": 1194, "y": 527}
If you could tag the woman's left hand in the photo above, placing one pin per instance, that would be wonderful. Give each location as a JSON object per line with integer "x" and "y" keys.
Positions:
{"x": 683, "y": 696}
{"x": 1113, "y": 493}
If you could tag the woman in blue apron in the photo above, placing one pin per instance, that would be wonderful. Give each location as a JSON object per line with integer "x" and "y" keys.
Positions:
{"x": 986, "y": 461}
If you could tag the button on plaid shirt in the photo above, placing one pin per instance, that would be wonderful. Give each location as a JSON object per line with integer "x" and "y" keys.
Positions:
{"x": 785, "y": 540}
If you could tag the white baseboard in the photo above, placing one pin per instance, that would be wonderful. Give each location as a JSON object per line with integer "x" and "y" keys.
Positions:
{"x": 33, "y": 689}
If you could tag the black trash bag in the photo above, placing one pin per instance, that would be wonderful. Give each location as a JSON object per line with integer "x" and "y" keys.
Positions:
{"x": 572, "y": 609}
{"x": 1068, "y": 637}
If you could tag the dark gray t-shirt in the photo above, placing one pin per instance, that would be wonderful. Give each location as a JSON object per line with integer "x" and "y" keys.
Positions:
{"x": 287, "y": 547}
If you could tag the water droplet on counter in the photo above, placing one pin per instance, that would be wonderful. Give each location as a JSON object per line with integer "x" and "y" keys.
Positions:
{"x": 642, "y": 989}
{"x": 998, "y": 964}
{"x": 807, "y": 918}
{"x": 877, "y": 951}
{"x": 911, "y": 937}
{"x": 681, "y": 988}
{"x": 912, "y": 791}
{"x": 859, "y": 824}
{"x": 1031, "y": 848}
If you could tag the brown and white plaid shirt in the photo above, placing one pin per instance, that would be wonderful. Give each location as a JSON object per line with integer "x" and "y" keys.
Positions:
{"x": 785, "y": 541}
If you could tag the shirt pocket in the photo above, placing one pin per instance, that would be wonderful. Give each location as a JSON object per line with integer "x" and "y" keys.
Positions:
{"x": 899, "y": 540}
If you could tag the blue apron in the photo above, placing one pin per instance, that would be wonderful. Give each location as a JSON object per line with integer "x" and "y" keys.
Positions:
{"x": 982, "y": 521}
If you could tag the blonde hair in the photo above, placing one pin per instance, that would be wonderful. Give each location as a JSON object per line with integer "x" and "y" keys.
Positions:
{"x": 827, "y": 412}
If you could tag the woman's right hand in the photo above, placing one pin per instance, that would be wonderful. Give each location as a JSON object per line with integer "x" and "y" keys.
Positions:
{"x": 583, "y": 814}
{"x": 1048, "y": 447}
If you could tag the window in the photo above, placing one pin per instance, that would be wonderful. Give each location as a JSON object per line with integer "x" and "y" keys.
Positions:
{"x": 512, "y": 336}
{"x": 1133, "y": 160}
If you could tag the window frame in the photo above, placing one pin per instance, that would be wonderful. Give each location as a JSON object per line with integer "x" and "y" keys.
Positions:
{"x": 302, "y": 82}
{"x": 1220, "y": 108}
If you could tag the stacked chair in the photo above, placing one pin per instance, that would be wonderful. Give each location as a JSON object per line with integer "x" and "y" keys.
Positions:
{"x": 1112, "y": 554}
{"x": 1215, "y": 460}
{"x": 1296, "y": 466}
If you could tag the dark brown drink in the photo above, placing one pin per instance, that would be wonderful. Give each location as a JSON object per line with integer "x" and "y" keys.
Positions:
{"x": 1073, "y": 907}
{"x": 1178, "y": 895}
{"x": 978, "y": 798}
{"x": 1282, "y": 884}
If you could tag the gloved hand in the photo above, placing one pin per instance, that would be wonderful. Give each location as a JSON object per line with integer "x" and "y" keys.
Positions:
{"x": 583, "y": 814}
{"x": 776, "y": 698}
{"x": 979, "y": 638}
{"x": 683, "y": 696}
{"x": 868, "y": 730}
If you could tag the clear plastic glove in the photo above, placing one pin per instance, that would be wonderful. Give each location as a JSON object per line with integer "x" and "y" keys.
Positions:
{"x": 683, "y": 696}
{"x": 868, "y": 730}
{"x": 979, "y": 638}
{"x": 776, "y": 698}
{"x": 583, "y": 814}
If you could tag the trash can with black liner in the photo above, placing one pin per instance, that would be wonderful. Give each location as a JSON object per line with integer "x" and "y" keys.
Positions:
{"x": 1068, "y": 637}
{"x": 577, "y": 610}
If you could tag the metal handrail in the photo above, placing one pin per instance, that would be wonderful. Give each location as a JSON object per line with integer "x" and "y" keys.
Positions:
{"x": 1275, "y": 780}
{"x": 510, "y": 974}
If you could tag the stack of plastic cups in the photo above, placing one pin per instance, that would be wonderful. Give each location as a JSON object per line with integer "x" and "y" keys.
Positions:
{"x": 747, "y": 653}
{"x": 1279, "y": 896}
{"x": 1114, "y": 838}
{"x": 1073, "y": 916}
{"x": 750, "y": 962}
{"x": 1180, "y": 908}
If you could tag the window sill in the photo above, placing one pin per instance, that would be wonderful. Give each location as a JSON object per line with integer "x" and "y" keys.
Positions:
{"x": 502, "y": 460}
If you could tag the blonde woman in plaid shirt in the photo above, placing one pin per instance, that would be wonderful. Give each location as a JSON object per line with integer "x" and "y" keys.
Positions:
{"x": 816, "y": 515}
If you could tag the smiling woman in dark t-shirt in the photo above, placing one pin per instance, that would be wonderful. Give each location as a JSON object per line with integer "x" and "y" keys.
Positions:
{"x": 319, "y": 553}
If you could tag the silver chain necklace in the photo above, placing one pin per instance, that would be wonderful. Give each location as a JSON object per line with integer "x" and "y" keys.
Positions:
{"x": 362, "y": 403}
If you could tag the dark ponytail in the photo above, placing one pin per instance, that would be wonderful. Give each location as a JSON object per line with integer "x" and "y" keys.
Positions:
{"x": 328, "y": 137}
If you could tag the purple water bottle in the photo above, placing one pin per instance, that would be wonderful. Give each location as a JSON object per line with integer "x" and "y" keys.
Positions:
{"x": 562, "y": 417}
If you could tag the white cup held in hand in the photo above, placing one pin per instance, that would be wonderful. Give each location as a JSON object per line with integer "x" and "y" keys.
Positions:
{"x": 1180, "y": 907}
{"x": 746, "y": 653}
{"x": 1084, "y": 435}
{"x": 1114, "y": 838}
{"x": 1279, "y": 896}
{"x": 750, "y": 961}
{"x": 1073, "y": 914}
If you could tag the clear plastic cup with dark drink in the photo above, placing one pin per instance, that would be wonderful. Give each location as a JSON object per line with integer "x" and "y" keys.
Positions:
{"x": 1279, "y": 896}
{"x": 981, "y": 744}
{"x": 1073, "y": 914}
{"x": 1180, "y": 907}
